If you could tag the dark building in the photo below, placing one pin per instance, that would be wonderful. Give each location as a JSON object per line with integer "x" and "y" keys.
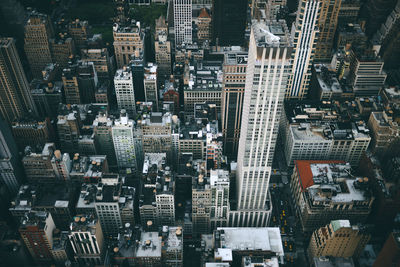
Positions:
{"x": 229, "y": 21}
{"x": 390, "y": 253}
{"x": 377, "y": 12}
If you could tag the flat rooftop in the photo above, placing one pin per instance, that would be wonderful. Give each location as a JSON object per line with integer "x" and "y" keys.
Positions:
{"x": 150, "y": 245}
{"x": 242, "y": 239}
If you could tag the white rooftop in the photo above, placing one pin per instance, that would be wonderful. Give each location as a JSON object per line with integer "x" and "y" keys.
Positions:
{"x": 263, "y": 238}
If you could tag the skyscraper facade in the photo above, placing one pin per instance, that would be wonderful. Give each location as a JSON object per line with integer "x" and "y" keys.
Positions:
{"x": 124, "y": 90}
{"x": 233, "y": 84}
{"x": 327, "y": 23}
{"x": 15, "y": 96}
{"x": 266, "y": 80}
{"x": 304, "y": 32}
{"x": 38, "y": 31}
{"x": 183, "y": 21}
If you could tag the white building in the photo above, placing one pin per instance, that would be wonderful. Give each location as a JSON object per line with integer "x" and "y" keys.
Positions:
{"x": 124, "y": 90}
{"x": 125, "y": 144}
{"x": 266, "y": 80}
{"x": 183, "y": 21}
{"x": 150, "y": 84}
{"x": 219, "y": 182}
{"x": 86, "y": 238}
{"x": 304, "y": 32}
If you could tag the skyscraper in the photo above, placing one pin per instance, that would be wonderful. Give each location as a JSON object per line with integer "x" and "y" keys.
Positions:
{"x": 10, "y": 164}
{"x": 38, "y": 31}
{"x": 183, "y": 21}
{"x": 327, "y": 23}
{"x": 15, "y": 96}
{"x": 266, "y": 80}
{"x": 124, "y": 90}
{"x": 304, "y": 31}
{"x": 233, "y": 84}
{"x": 229, "y": 22}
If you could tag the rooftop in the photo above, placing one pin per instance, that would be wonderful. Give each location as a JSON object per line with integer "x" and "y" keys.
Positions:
{"x": 271, "y": 34}
{"x": 242, "y": 239}
{"x": 331, "y": 180}
{"x": 150, "y": 245}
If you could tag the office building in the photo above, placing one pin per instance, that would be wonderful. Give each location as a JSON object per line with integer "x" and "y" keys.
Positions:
{"x": 156, "y": 133}
{"x": 124, "y": 90}
{"x": 157, "y": 201}
{"x": 348, "y": 12}
{"x": 125, "y": 141}
{"x": 15, "y": 97}
{"x": 233, "y": 244}
{"x": 339, "y": 239}
{"x": 87, "y": 241}
{"x": 79, "y": 31}
{"x": 203, "y": 84}
{"x": 31, "y": 132}
{"x": 137, "y": 65}
{"x": 128, "y": 40}
{"x": 270, "y": 45}
{"x": 327, "y": 23}
{"x": 11, "y": 171}
{"x": 326, "y": 190}
{"x": 103, "y": 62}
{"x": 36, "y": 231}
{"x": 162, "y": 50}
{"x": 305, "y": 30}
{"x": 201, "y": 204}
{"x": 203, "y": 23}
{"x": 61, "y": 165}
{"x": 172, "y": 250}
{"x": 114, "y": 204}
{"x": 68, "y": 127}
{"x": 182, "y": 22}
{"x": 56, "y": 199}
{"x": 229, "y": 22}
{"x": 384, "y": 131}
{"x": 150, "y": 84}
{"x": 47, "y": 97}
{"x": 366, "y": 72}
{"x": 37, "y": 166}
{"x": 219, "y": 182}
{"x": 38, "y": 31}
{"x": 62, "y": 49}
{"x": 233, "y": 84}
{"x": 102, "y": 129}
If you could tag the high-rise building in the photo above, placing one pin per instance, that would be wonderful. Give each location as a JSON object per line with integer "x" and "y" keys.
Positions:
{"x": 229, "y": 22}
{"x": 162, "y": 50}
{"x": 62, "y": 49}
{"x": 11, "y": 171}
{"x": 266, "y": 80}
{"x": 203, "y": 22}
{"x": 79, "y": 31}
{"x": 150, "y": 84}
{"x": 36, "y": 231}
{"x": 233, "y": 84}
{"x": 219, "y": 182}
{"x": 304, "y": 32}
{"x": 68, "y": 128}
{"x": 38, "y": 31}
{"x": 326, "y": 190}
{"x": 127, "y": 40}
{"x": 103, "y": 62}
{"x": 87, "y": 241}
{"x": 124, "y": 90}
{"x": 183, "y": 22}
{"x": 37, "y": 166}
{"x": 327, "y": 22}
{"x": 15, "y": 97}
{"x": 102, "y": 129}
{"x": 125, "y": 144}
{"x": 338, "y": 239}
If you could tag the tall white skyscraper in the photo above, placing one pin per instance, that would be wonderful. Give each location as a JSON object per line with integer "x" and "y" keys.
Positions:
{"x": 124, "y": 90}
{"x": 183, "y": 21}
{"x": 266, "y": 80}
{"x": 124, "y": 142}
{"x": 304, "y": 32}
